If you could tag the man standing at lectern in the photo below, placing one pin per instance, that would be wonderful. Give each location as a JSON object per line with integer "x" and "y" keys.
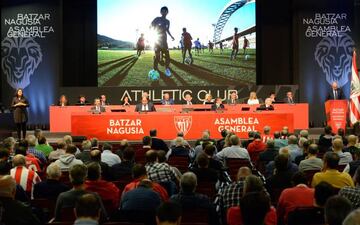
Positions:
{"x": 335, "y": 93}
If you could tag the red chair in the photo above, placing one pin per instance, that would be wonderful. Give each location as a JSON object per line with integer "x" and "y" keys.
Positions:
{"x": 341, "y": 168}
{"x": 207, "y": 188}
{"x": 140, "y": 155}
{"x": 180, "y": 162}
{"x": 192, "y": 216}
{"x": 46, "y": 206}
{"x": 123, "y": 181}
{"x": 233, "y": 165}
{"x": 309, "y": 175}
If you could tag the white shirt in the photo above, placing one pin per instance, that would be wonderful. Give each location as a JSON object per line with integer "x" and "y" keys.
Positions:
{"x": 110, "y": 158}
{"x": 145, "y": 107}
{"x": 253, "y": 101}
{"x": 235, "y": 151}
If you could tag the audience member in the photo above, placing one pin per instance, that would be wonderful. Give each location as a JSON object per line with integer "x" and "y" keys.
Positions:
{"x": 304, "y": 134}
{"x": 157, "y": 143}
{"x": 293, "y": 147}
{"x": 266, "y": 134}
{"x": 205, "y": 137}
{"x": 353, "y": 193}
{"x": 84, "y": 155}
{"x": 245, "y": 143}
{"x": 235, "y": 215}
{"x": 300, "y": 195}
{"x": 189, "y": 199}
{"x": 341, "y": 133}
{"x": 77, "y": 175}
{"x": 353, "y": 218}
{"x": 351, "y": 146}
{"x": 203, "y": 172}
{"x": 185, "y": 142}
{"x": 60, "y": 150}
{"x": 231, "y": 194}
{"x": 106, "y": 190}
{"x": 168, "y": 213}
{"x": 221, "y": 142}
{"x": 139, "y": 174}
{"x": 213, "y": 163}
{"x": 304, "y": 146}
{"x": 255, "y": 207}
{"x": 279, "y": 142}
{"x": 270, "y": 152}
{"x": 105, "y": 169}
{"x": 179, "y": 149}
{"x": 43, "y": 146}
{"x": 336, "y": 210}
{"x": 68, "y": 160}
{"x": 352, "y": 166}
{"x": 108, "y": 157}
{"x": 281, "y": 178}
{"x": 312, "y": 162}
{"x": 124, "y": 168}
{"x": 30, "y": 144}
{"x": 13, "y": 212}
{"x": 256, "y": 147}
{"x": 32, "y": 162}
{"x": 158, "y": 172}
{"x": 345, "y": 157}
{"x": 51, "y": 187}
{"x": 24, "y": 177}
{"x": 87, "y": 210}
{"x": 330, "y": 173}
{"x": 270, "y": 167}
{"x": 325, "y": 139}
{"x": 235, "y": 151}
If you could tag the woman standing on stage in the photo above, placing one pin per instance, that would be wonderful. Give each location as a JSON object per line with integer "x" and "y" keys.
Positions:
{"x": 19, "y": 105}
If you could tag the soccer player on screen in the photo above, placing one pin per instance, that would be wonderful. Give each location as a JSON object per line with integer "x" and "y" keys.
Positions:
{"x": 161, "y": 25}
{"x": 140, "y": 45}
{"x": 235, "y": 44}
{"x": 186, "y": 37}
{"x": 197, "y": 46}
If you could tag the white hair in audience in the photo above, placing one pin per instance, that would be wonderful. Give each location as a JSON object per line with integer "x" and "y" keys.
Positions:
{"x": 31, "y": 139}
{"x": 19, "y": 160}
{"x": 353, "y": 218}
{"x": 86, "y": 145}
{"x": 7, "y": 186}
{"x": 304, "y": 133}
{"x": 67, "y": 139}
{"x": 53, "y": 171}
{"x": 302, "y": 140}
{"x": 267, "y": 129}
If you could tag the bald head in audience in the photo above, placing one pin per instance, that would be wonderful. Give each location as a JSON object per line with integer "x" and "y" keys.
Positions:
{"x": 188, "y": 182}
{"x": 337, "y": 145}
{"x": 353, "y": 218}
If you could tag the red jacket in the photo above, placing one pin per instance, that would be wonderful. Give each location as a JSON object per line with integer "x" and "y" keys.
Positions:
{"x": 156, "y": 187}
{"x": 106, "y": 190}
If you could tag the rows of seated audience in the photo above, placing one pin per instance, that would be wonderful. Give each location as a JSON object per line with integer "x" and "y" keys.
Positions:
{"x": 269, "y": 178}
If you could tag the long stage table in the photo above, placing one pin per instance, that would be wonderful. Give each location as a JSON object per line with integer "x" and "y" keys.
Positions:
{"x": 170, "y": 119}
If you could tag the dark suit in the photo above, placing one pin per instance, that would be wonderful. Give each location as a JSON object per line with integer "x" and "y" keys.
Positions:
{"x": 233, "y": 101}
{"x": 158, "y": 144}
{"x": 215, "y": 107}
{"x": 150, "y": 106}
{"x": 168, "y": 102}
{"x": 101, "y": 109}
{"x": 82, "y": 103}
{"x": 188, "y": 103}
{"x": 289, "y": 101}
{"x": 263, "y": 107}
{"x": 339, "y": 95}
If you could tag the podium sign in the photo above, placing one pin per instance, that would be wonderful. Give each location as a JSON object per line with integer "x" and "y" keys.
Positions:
{"x": 336, "y": 111}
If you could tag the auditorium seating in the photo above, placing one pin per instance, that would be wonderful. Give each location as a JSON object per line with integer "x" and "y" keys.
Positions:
{"x": 233, "y": 165}
{"x": 180, "y": 162}
{"x": 306, "y": 216}
{"x": 310, "y": 174}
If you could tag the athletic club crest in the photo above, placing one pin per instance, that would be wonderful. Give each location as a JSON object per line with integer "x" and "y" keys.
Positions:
{"x": 183, "y": 123}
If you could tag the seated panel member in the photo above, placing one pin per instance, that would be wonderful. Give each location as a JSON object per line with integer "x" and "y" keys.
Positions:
{"x": 267, "y": 105}
{"x": 218, "y": 105}
{"x": 289, "y": 98}
{"x": 82, "y": 100}
{"x": 335, "y": 93}
{"x": 188, "y": 99}
{"x": 253, "y": 100}
{"x": 208, "y": 99}
{"x": 125, "y": 101}
{"x": 63, "y": 101}
{"x": 272, "y": 96}
{"x": 145, "y": 106}
{"x": 103, "y": 100}
{"x": 97, "y": 106}
{"x": 167, "y": 100}
{"x": 233, "y": 98}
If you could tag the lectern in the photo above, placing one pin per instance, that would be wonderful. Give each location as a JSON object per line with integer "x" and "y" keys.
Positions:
{"x": 336, "y": 111}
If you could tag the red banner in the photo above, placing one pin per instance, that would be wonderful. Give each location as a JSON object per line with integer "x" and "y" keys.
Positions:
{"x": 134, "y": 126}
{"x": 336, "y": 111}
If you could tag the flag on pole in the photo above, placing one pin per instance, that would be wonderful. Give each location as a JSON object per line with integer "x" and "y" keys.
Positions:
{"x": 354, "y": 92}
